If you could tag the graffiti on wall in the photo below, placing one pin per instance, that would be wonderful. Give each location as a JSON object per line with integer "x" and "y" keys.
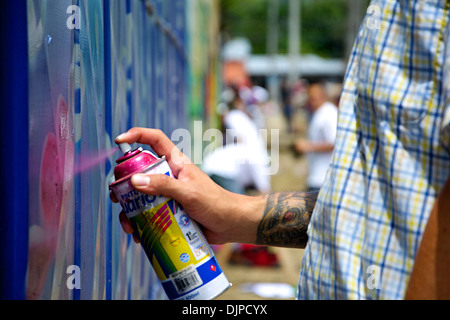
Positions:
{"x": 96, "y": 69}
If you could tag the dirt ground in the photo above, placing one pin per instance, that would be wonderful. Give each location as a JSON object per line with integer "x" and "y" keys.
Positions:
{"x": 290, "y": 177}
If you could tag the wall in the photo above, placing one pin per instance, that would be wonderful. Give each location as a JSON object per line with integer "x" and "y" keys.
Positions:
{"x": 95, "y": 69}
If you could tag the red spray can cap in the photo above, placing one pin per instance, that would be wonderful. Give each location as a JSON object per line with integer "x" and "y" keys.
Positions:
{"x": 132, "y": 162}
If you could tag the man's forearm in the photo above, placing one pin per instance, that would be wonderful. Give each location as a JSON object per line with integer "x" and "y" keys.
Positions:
{"x": 286, "y": 219}
{"x": 430, "y": 278}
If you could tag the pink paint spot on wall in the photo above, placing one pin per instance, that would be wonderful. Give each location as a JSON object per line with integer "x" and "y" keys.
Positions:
{"x": 51, "y": 184}
{"x": 55, "y": 188}
{"x": 43, "y": 238}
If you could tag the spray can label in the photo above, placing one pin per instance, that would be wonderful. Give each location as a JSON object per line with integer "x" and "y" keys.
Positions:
{"x": 174, "y": 244}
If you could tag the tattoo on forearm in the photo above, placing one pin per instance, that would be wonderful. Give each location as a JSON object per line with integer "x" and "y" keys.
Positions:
{"x": 286, "y": 218}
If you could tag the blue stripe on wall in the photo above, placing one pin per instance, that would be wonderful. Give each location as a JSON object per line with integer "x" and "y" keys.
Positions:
{"x": 14, "y": 160}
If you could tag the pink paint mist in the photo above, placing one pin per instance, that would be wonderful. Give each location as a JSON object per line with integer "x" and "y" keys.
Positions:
{"x": 90, "y": 161}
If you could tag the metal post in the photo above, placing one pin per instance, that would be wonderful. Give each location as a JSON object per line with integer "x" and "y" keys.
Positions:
{"x": 294, "y": 39}
{"x": 273, "y": 16}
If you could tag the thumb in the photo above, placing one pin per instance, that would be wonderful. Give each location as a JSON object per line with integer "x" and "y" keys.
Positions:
{"x": 159, "y": 184}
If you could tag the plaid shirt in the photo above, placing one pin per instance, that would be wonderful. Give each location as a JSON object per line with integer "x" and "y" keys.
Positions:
{"x": 391, "y": 156}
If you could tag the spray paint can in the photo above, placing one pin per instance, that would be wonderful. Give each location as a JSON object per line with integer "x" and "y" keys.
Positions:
{"x": 175, "y": 245}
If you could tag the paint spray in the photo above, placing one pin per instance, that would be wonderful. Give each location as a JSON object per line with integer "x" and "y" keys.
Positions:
{"x": 175, "y": 245}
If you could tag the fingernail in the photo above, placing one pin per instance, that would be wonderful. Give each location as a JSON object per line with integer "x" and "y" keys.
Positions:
{"x": 120, "y": 137}
{"x": 140, "y": 180}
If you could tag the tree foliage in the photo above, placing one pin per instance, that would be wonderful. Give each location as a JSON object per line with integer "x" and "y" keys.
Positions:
{"x": 323, "y": 25}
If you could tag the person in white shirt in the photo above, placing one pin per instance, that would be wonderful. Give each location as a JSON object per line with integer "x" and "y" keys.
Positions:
{"x": 235, "y": 167}
{"x": 246, "y": 156}
{"x": 241, "y": 164}
{"x": 321, "y": 136}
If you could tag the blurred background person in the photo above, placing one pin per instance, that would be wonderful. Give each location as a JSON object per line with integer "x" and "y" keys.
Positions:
{"x": 241, "y": 164}
{"x": 288, "y": 109}
{"x": 321, "y": 135}
{"x": 258, "y": 96}
{"x": 235, "y": 168}
{"x": 240, "y": 127}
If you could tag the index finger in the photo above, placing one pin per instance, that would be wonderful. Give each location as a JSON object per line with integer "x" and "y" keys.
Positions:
{"x": 159, "y": 142}
{"x": 113, "y": 197}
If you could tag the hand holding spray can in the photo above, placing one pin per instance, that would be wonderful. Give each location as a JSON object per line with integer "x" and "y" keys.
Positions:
{"x": 175, "y": 245}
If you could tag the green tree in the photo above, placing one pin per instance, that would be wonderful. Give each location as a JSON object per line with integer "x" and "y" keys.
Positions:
{"x": 245, "y": 18}
{"x": 324, "y": 24}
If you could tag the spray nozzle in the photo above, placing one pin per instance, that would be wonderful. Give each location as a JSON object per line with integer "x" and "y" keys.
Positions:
{"x": 125, "y": 147}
